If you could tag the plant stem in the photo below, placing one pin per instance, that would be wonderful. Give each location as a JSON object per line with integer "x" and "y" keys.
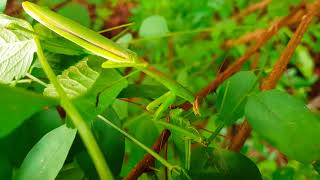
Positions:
{"x": 215, "y": 133}
{"x": 172, "y": 85}
{"x": 116, "y": 27}
{"x": 150, "y": 151}
{"x": 84, "y": 130}
{"x": 35, "y": 79}
{"x": 272, "y": 79}
{"x": 187, "y": 148}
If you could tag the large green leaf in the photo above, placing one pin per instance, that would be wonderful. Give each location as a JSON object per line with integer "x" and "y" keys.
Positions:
{"x": 17, "y": 105}
{"x": 232, "y": 96}
{"x": 47, "y": 157}
{"x": 286, "y": 123}
{"x": 101, "y": 94}
{"x": 90, "y": 85}
{"x": 93, "y": 90}
{"x": 111, "y": 143}
{"x": 76, "y": 80}
{"x": 16, "y": 49}
{"x": 145, "y": 130}
{"x": 28, "y": 134}
{"x": 5, "y": 167}
{"x": 222, "y": 165}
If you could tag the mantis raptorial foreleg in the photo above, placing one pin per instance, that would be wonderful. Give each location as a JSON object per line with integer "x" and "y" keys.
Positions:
{"x": 163, "y": 103}
{"x": 97, "y": 44}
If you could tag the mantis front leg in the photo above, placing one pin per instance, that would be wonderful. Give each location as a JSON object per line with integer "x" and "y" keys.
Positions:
{"x": 174, "y": 87}
{"x": 163, "y": 102}
{"x": 97, "y": 44}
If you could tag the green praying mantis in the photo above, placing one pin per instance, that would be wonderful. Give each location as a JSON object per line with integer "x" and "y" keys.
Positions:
{"x": 115, "y": 55}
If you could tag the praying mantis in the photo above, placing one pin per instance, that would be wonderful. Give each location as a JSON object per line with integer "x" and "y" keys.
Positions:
{"x": 115, "y": 55}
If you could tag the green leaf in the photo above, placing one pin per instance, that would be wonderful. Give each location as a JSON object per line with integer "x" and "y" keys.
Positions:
{"x": 76, "y": 12}
{"x": 111, "y": 143}
{"x": 305, "y": 62}
{"x": 232, "y": 96}
{"x": 222, "y": 165}
{"x": 47, "y": 157}
{"x": 17, "y": 105}
{"x": 316, "y": 166}
{"x": 3, "y": 4}
{"x": 28, "y": 134}
{"x": 92, "y": 88}
{"x": 101, "y": 95}
{"x": 125, "y": 40}
{"x": 286, "y": 173}
{"x": 286, "y": 123}
{"x": 16, "y": 49}
{"x": 144, "y": 130}
{"x": 6, "y": 167}
{"x": 96, "y": 2}
{"x": 76, "y": 80}
{"x": 153, "y": 26}
{"x": 70, "y": 172}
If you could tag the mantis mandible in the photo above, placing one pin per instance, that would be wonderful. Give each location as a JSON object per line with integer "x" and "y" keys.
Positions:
{"x": 99, "y": 45}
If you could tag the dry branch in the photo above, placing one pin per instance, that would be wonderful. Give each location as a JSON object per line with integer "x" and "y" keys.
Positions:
{"x": 237, "y": 65}
{"x": 148, "y": 160}
{"x": 294, "y": 16}
{"x": 292, "y": 19}
{"x": 252, "y": 8}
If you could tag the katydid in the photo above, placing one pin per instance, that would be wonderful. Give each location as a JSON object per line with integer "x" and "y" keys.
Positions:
{"x": 99, "y": 45}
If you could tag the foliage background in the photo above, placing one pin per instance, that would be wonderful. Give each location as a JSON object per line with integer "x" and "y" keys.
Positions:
{"x": 184, "y": 40}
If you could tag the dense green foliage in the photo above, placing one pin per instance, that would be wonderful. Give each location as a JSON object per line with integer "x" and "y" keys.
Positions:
{"x": 127, "y": 108}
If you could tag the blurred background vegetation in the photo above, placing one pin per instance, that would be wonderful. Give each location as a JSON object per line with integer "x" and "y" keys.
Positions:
{"x": 188, "y": 40}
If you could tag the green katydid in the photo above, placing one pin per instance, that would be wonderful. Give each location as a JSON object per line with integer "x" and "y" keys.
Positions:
{"x": 99, "y": 45}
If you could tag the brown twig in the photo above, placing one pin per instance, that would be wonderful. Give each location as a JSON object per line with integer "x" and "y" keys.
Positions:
{"x": 252, "y": 8}
{"x": 271, "y": 81}
{"x": 148, "y": 160}
{"x": 295, "y": 17}
{"x": 13, "y": 8}
{"x": 249, "y": 37}
{"x": 236, "y": 66}
{"x": 60, "y": 5}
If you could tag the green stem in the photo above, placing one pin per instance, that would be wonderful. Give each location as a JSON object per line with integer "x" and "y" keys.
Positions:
{"x": 215, "y": 133}
{"x": 187, "y": 148}
{"x": 14, "y": 26}
{"x": 84, "y": 130}
{"x": 35, "y": 79}
{"x": 172, "y": 85}
{"x": 150, "y": 151}
{"x": 116, "y": 27}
